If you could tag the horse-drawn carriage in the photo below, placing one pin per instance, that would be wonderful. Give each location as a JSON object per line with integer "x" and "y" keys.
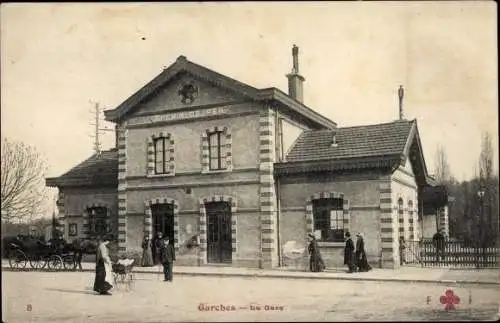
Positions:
{"x": 55, "y": 255}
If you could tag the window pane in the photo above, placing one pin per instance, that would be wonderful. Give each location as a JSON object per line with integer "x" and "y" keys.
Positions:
{"x": 214, "y": 140}
{"x": 158, "y": 146}
{"x": 329, "y": 218}
{"x": 214, "y": 152}
{"x": 214, "y": 163}
{"x": 159, "y": 167}
{"x": 159, "y": 153}
{"x": 223, "y": 162}
{"x": 333, "y": 219}
{"x": 97, "y": 220}
{"x": 337, "y": 235}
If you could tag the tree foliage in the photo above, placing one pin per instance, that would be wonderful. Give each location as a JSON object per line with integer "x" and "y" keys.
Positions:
{"x": 442, "y": 168}
{"x": 473, "y": 216}
{"x": 23, "y": 191}
{"x": 486, "y": 158}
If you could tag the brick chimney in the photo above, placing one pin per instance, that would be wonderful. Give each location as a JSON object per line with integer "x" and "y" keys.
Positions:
{"x": 295, "y": 80}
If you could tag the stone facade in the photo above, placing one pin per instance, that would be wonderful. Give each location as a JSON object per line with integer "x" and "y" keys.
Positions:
{"x": 368, "y": 208}
{"x": 249, "y": 149}
{"x": 187, "y": 105}
{"x": 73, "y": 204}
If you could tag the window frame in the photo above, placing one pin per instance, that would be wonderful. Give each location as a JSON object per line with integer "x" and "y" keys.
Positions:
{"x": 220, "y": 165}
{"x": 94, "y": 219}
{"x": 165, "y": 169}
{"x": 73, "y": 229}
{"x": 322, "y": 210}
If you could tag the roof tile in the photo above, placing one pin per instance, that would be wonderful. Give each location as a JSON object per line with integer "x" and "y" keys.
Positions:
{"x": 352, "y": 142}
{"x": 96, "y": 170}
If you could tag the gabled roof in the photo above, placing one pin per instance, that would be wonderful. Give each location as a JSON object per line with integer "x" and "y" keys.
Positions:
{"x": 380, "y": 146}
{"x": 97, "y": 170}
{"x": 284, "y": 101}
{"x": 352, "y": 142}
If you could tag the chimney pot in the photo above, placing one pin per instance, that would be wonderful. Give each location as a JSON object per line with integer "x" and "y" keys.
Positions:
{"x": 295, "y": 80}
{"x": 334, "y": 139}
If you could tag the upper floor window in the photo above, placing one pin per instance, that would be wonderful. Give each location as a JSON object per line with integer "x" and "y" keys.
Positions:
{"x": 400, "y": 205}
{"x": 98, "y": 220}
{"x": 410, "y": 207}
{"x": 162, "y": 155}
{"x": 216, "y": 152}
{"x": 328, "y": 218}
{"x": 217, "y": 155}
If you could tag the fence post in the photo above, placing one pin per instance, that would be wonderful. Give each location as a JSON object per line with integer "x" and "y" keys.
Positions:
{"x": 421, "y": 251}
{"x": 476, "y": 252}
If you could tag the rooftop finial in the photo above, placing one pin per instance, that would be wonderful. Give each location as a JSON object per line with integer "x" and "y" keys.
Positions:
{"x": 401, "y": 94}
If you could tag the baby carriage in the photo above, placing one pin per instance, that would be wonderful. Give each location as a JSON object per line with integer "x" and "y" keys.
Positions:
{"x": 122, "y": 272}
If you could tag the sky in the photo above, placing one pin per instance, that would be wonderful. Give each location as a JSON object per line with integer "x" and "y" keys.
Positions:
{"x": 59, "y": 59}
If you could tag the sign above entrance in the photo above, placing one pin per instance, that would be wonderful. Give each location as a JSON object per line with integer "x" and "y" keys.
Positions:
{"x": 181, "y": 115}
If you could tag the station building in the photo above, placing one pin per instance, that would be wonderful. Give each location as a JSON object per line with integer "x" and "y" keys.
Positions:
{"x": 242, "y": 171}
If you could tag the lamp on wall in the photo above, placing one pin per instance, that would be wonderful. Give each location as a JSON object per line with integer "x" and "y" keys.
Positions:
{"x": 480, "y": 194}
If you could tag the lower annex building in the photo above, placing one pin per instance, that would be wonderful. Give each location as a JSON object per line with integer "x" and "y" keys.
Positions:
{"x": 200, "y": 156}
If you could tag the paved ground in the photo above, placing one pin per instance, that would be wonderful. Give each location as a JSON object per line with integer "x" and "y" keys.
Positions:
{"x": 404, "y": 274}
{"x": 66, "y": 297}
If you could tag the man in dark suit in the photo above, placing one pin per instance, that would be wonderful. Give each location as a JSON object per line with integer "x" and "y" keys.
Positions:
{"x": 156, "y": 246}
{"x": 167, "y": 254}
{"x": 439, "y": 243}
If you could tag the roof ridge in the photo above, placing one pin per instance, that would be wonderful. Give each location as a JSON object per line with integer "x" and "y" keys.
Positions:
{"x": 222, "y": 75}
{"x": 378, "y": 124}
{"x": 358, "y": 126}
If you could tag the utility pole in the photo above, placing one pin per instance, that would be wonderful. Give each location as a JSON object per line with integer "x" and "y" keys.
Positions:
{"x": 98, "y": 129}
{"x": 97, "y": 143}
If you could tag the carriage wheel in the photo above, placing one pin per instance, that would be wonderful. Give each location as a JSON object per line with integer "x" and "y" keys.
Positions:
{"x": 38, "y": 262}
{"x": 69, "y": 262}
{"x": 55, "y": 262}
{"x": 18, "y": 260}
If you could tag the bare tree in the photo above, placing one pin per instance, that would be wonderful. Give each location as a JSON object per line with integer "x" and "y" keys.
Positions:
{"x": 23, "y": 189}
{"x": 487, "y": 185}
{"x": 442, "y": 168}
{"x": 486, "y": 158}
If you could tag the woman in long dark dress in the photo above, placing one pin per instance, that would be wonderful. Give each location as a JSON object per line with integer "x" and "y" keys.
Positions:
{"x": 361, "y": 259}
{"x": 103, "y": 273}
{"x": 147, "y": 257}
{"x": 316, "y": 263}
{"x": 349, "y": 253}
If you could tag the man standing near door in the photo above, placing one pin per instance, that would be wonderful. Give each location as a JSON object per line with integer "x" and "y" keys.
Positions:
{"x": 167, "y": 254}
{"x": 156, "y": 246}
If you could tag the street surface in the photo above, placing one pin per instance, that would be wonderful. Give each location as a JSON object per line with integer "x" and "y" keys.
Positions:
{"x": 67, "y": 297}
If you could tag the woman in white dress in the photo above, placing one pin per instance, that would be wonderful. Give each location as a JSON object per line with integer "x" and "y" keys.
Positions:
{"x": 103, "y": 273}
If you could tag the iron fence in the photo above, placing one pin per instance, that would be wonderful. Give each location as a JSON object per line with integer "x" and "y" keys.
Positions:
{"x": 451, "y": 254}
